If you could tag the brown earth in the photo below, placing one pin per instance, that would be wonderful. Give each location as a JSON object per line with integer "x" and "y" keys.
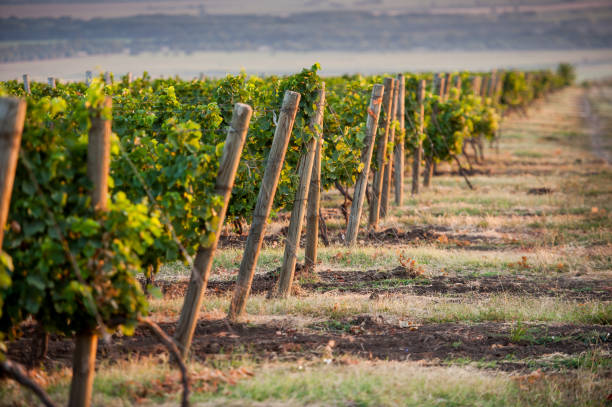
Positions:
{"x": 363, "y": 336}
{"x": 399, "y": 280}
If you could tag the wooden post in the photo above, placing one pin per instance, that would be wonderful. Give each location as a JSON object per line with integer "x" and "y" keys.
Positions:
{"x": 380, "y": 156}
{"x": 51, "y": 82}
{"x": 498, "y": 90}
{"x": 83, "y": 369}
{"x": 386, "y": 187}
{"x": 398, "y": 162}
{"x": 107, "y": 78}
{"x": 314, "y": 192}
{"x": 458, "y": 87}
{"x": 418, "y": 154}
{"x": 476, "y": 84}
{"x": 492, "y": 84}
{"x": 129, "y": 77}
{"x": 88, "y": 77}
{"x": 98, "y": 157}
{"x": 484, "y": 86}
{"x": 276, "y": 158}
{"x": 447, "y": 86}
{"x": 352, "y": 228}
{"x": 86, "y": 342}
{"x": 12, "y": 116}
{"x": 299, "y": 204}
{"x": 26, "y": 84}
{"x": 429, "y": 160}
{"x": 232, "y": 150}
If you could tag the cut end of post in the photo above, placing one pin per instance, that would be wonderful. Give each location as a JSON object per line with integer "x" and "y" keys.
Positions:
{"x": 291, "y": 100}
{"x": 378, "y": 91}
{"x": 243, "y": 109}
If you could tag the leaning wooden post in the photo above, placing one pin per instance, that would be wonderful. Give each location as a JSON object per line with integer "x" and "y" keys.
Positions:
{"x": 26, "y": 84}
{"x": 276, "y": 158}
{"x": 418, "y": 153}
{"x": 386, "y": 187}
{"x": 314, "y": 192}
{"x": 352, "y": 228}
{"x": 228, "y": 166}
{"x": 398, "y": 162}
{"x": 299, "y": 204}
{"x": 12, "y": 115}
{"x": 98, "y": 167}
{"x": 380, "y": 156}
{"x": 51, "y": 82}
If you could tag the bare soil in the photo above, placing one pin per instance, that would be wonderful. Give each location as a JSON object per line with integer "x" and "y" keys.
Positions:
{"x": 363, "y": 337}
{"x": 399, "y": 280}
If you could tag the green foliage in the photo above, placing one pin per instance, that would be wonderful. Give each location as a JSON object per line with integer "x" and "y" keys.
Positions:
{"x": 566, "y": 73}
{"x": 72, "y": 268}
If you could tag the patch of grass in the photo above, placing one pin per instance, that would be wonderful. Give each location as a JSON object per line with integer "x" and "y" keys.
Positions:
{"x": 528, "y": 154}
{"x": 472, "y": 308}
{"x": 464, "y": 361}
{"x": 594, "y": 360}
{"x": 518, "y": 333}
{"x": 396, "y": 383}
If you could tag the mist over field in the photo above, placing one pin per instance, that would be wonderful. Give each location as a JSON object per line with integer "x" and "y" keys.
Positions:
{"x": 189, "y": 37}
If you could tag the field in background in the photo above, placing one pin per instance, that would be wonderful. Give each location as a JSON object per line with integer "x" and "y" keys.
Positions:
{"x": 87, "y": 10}
{"x": 589, "y": 63}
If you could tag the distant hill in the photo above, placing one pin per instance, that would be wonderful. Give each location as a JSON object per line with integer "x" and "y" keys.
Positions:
{"x": 515, "y": 28}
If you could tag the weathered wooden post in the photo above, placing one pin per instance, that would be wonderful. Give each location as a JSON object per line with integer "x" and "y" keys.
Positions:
{"x": 107, "y": 78}
{"x": 276, "y": 158}
{"x": 314, "y": 194}
{"x": 380, "y": 156}
{"x": 129, "y": 77}
{"x": 429, "y": 160}
{"x": 98, "y": 167}
{"x": 294, "y": 232}
{"x": 352, "y": 228}
{"x": 12, "y": 116}
{"x": 232, "y": 150}
{"x": 484, "y": 86}
{"x": 492, "y": 84}
{"x": 26, "y": 84}
{"x": 51, "y": 82}
{"x": 458, "y": 87}
{"x": 398, "y": 162}
{"x": 447, "y": 86}
{"x": 476, "y": 84}
{"x": 386, "y": 188}
{"x": 418, "y": 154}
{"x": 88, "y": 77}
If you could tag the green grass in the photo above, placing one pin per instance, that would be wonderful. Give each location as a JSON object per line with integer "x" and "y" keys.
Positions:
{"x": 472, "y": 308}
